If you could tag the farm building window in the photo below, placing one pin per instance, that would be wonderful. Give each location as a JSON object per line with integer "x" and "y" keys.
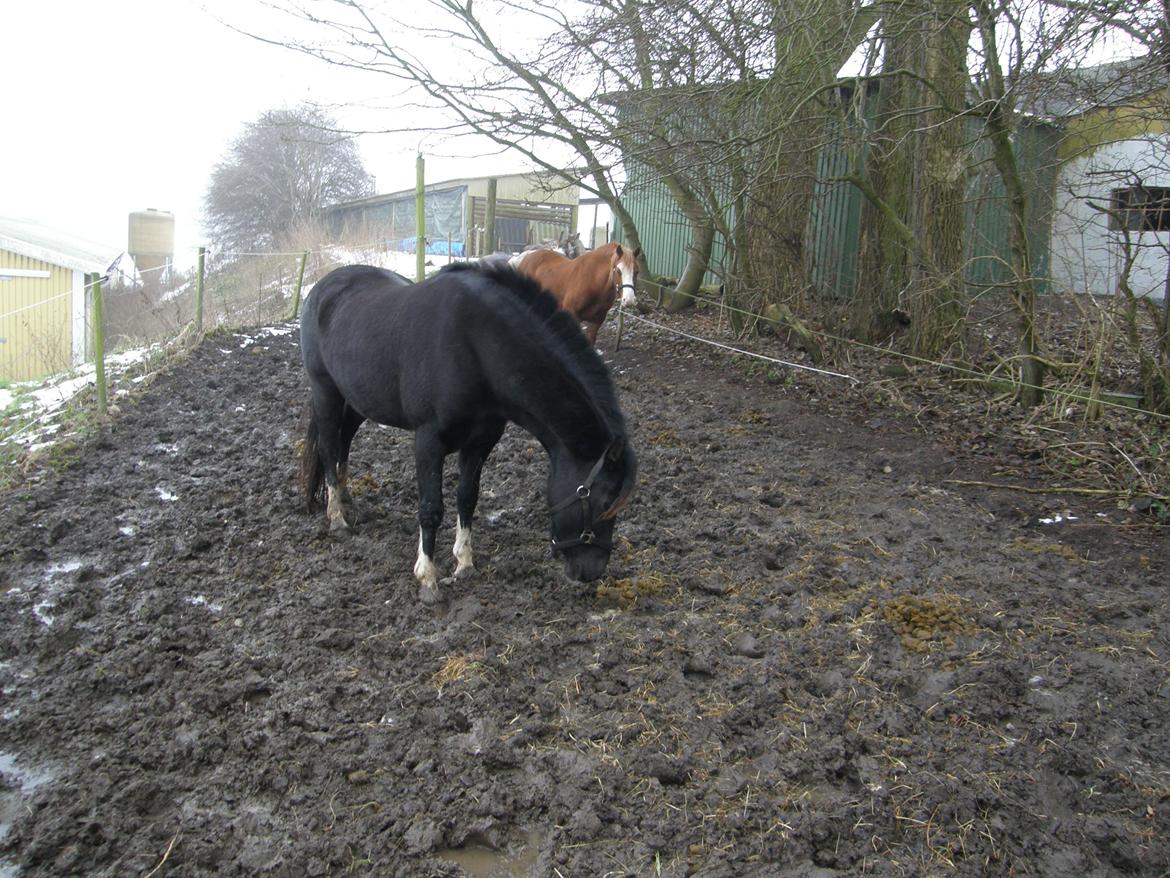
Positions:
{"x": 1140, "y": 209}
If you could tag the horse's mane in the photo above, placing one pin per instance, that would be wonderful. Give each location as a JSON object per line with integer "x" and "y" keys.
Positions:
{"x": 561, "y": 330}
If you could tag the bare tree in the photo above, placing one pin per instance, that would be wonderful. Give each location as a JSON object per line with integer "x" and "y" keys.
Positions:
{"x": 283, "y": 170}
{"x": 492, "y": 69}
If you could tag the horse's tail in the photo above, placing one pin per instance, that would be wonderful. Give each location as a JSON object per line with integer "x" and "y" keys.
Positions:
{"x": 312, "y": 473}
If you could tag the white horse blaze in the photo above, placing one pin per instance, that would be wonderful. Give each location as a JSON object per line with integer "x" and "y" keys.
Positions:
{"x": 628, "y": 297}
{"x": 462, "y": 548}
{"x": 424, "y": 567}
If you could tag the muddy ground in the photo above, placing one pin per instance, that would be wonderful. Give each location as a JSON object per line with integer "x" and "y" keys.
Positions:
{"x": 820, "y": 654}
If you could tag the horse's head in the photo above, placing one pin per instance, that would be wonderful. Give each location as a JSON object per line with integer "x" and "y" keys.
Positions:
{"x": 585, "y": 497}
{"x": 572, "y": 246}
{"x": 624, "y": 267}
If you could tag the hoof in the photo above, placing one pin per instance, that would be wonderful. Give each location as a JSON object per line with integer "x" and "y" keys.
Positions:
{"x": 429, "y": 594}
{"x": 464, "y": 571}
{"x": 337, "y": 525}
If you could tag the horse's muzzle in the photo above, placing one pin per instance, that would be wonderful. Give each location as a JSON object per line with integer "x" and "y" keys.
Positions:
{"x": 586, "y": 566}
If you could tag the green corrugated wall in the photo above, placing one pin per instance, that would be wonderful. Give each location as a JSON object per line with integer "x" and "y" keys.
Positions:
{"x": 835, "y": 218}
{"x": 665, "y": 233}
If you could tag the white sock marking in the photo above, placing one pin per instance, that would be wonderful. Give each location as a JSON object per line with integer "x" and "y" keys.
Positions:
{"x": 335, "y": 511}
{"x": 424, "y": 567}
{"x": 463, "y": 548}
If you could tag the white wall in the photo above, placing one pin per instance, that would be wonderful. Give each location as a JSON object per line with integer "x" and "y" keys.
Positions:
{"x": 1086, "y": 255}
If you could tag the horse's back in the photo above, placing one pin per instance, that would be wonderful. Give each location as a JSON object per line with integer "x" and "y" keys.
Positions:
{"x": 340, "y": 287}
{"x": 354, "y": 335}
{"x": 548, "y": 268}
{"x": 399, "y": 353}
{"x": 541, "y": 260}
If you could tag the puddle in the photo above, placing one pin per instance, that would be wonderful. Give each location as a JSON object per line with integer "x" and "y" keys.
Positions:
{"x": 42, "y": 609}
{"x": 480, "y": 860}
{"x": 27, "y": 779}
{"x": 16, "y": 783}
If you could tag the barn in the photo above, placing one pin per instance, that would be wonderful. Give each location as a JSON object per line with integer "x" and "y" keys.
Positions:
{"x": 1111, "y": 217}
{"x": 43, "y": 298}
{"x": 530, "y": 208}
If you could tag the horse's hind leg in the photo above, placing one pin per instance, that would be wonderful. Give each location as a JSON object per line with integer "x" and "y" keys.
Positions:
{"x": 350, "y": 421}
{"x": 471, "y": 461}
{"x": 329, "y": 407}
{"x": 429, "y": 452}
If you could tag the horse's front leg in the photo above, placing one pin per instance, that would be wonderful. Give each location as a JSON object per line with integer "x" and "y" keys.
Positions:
{"x": 428, "y": 459}
{"x": 471, "y": 461}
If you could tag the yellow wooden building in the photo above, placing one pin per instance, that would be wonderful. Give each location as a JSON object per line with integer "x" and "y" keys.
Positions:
{"x": 43, "y": 307}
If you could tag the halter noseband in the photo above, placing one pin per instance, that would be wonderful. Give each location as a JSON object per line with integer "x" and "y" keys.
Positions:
{"x": 581, "y": 495}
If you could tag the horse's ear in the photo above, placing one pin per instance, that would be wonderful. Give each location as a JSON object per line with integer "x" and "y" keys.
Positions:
{"x": 637, "y": 252}
{"x": 629, "y": 478}
{"x": 618, "y": 251}
{"x": 616, "y": 449}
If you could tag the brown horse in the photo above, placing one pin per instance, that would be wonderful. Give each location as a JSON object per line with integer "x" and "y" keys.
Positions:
{"x": 588, "y": 285}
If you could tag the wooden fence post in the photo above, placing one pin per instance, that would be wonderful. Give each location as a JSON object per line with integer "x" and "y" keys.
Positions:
{"x": 489, "y": 219}
{"x": 199, "y": 291}
{"x": 300, "y": 280}
{"x": 420, "y": 220}
{"x": 99, "y": 341}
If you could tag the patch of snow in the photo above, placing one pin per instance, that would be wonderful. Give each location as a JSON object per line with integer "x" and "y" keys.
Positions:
{"x": 43, "y": 399}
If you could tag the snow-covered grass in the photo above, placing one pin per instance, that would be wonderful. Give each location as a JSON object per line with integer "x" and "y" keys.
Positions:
{"x": 34, "y": 415}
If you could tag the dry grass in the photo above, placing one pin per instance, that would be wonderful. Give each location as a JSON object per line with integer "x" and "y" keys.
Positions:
{"x": 456, "y": 668}
{"x": 1040, "y": 547}
{"x": 626, "y": 592}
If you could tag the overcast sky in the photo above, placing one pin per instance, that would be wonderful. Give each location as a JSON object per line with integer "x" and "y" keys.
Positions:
{"x": 124, "y": 105}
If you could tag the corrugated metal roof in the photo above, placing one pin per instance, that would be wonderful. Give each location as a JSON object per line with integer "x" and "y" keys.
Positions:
{"x": 1074, "y": 91}
{"x": 534, "y": 186}
{"x": 30, "y": 238}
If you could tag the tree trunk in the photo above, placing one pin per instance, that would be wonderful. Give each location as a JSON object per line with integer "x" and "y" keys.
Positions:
{"x": 912, "y": 239}
{"x": 812, "y": 39}
{"x": 702, "y": 240}
{"x": 937, "y": 294}
{"x": 999, "y": 117}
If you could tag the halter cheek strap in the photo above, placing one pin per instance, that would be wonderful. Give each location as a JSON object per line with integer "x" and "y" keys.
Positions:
{"x": 581, "y": 495}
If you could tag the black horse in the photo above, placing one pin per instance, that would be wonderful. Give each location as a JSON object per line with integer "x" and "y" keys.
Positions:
{"x": 455, "y": 358}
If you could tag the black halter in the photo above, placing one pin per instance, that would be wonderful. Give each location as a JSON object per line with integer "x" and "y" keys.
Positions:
{"x": 581, "y": 495}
